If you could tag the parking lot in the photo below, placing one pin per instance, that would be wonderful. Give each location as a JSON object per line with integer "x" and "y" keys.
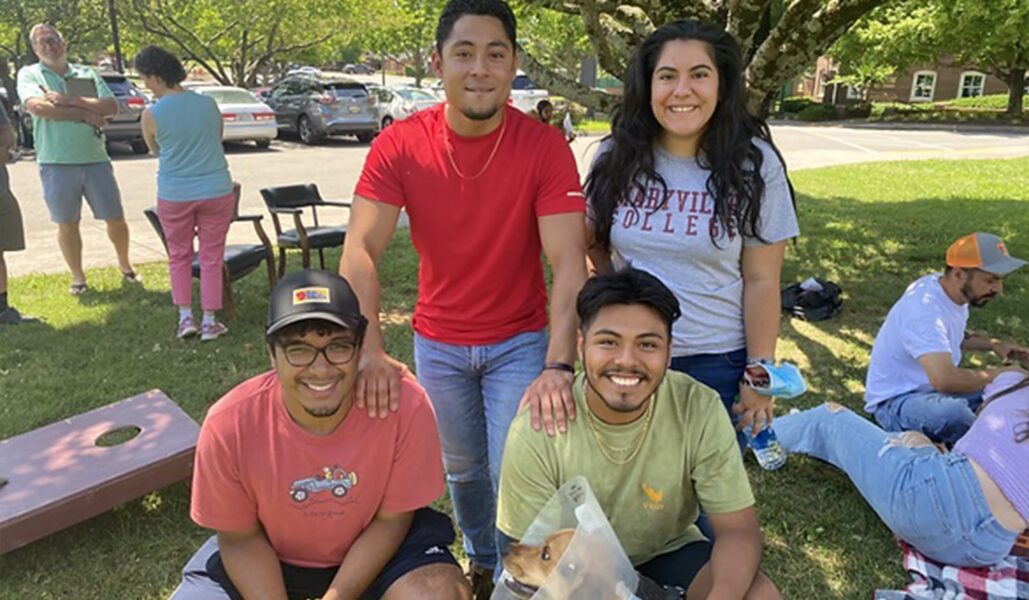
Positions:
{"x": 335, "y": 166}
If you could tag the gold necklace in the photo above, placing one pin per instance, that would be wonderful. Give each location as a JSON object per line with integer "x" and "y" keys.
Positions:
{"x": 636, "y": 444}
{"x": 496, "y": 146}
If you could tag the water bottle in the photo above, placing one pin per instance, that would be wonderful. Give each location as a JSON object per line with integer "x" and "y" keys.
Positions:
{"x": 767, "y": 449}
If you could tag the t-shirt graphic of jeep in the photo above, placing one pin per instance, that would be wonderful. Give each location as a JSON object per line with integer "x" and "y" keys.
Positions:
{"x": 334, "y": 480}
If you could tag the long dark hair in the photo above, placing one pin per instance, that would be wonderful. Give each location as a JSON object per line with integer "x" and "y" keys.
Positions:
{"x": 726, "y": 146}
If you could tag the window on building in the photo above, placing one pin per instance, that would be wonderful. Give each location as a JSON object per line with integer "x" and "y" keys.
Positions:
{"x": 923, "y": 86}
{"x": 972, "y": 84}
{"x": 853, "y": 93}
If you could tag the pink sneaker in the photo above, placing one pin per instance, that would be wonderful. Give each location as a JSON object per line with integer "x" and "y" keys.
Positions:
{"x": 211, "y": 331}
{"x": 187, "y": 328}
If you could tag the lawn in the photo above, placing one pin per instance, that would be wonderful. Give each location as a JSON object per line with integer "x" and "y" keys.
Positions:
{"x": 873, "y": 228}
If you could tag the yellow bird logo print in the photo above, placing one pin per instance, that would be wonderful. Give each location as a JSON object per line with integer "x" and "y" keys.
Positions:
{"x": 655, "y": 496}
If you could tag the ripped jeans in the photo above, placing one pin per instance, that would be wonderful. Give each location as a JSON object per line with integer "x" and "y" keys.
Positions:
{"x": 931, "y": 500}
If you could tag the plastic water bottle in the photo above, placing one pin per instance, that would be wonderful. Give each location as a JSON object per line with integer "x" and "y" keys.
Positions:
{"x": 767, "y": 449}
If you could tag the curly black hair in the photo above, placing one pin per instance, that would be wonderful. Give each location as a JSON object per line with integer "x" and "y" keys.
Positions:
{"x": 157, "y": 62}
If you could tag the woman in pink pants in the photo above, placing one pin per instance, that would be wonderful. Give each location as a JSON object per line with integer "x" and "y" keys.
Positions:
{"x": 194, "y": 188}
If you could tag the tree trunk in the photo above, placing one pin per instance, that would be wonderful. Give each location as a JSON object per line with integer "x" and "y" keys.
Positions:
{"x": 1016, "y": 89}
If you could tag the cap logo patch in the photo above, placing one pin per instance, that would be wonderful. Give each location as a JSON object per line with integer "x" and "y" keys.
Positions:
{"x": 1002, "y": 248}
{"x": 309, "y": 295}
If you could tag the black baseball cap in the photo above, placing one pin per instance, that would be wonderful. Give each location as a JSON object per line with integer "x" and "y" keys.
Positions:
{"x": 313, "y": 294}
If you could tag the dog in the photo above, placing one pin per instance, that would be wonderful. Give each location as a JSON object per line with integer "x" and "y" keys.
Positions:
{"x": 529, "y": 566}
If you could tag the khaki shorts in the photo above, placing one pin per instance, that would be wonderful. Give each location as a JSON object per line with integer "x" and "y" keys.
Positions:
{"x": 12, "y": 234}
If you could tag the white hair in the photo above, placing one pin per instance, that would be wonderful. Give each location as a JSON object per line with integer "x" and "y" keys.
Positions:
{"x": 40, "y": 26}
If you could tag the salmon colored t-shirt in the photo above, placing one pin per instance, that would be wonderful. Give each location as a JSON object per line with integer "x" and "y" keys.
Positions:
{"x": 313, "y": 495}
{"x": 480, "y": 279}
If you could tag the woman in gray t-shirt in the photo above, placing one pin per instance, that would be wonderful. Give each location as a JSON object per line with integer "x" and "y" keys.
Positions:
{"x": 689, "y": 187}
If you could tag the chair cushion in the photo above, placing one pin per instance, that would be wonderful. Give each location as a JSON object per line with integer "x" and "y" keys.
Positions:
{"x": 317, "y": 237}
{"x": 240, "y": 258}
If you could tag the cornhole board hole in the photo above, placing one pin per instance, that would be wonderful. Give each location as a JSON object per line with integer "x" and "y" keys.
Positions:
{"x": 58, "y": 475}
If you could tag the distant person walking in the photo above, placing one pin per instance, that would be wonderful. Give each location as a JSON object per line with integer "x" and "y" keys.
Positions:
{"x": 12, "y": 235}
{"x": 194, "y": 189}
{"x": 70, "y": 149}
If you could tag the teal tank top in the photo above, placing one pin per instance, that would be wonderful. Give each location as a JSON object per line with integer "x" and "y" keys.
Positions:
{"x": 191, "y": 164}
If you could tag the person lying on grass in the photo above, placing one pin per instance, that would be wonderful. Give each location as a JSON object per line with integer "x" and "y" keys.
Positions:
{"x": 963, "y": 508}
{"x": 308, "y": 496}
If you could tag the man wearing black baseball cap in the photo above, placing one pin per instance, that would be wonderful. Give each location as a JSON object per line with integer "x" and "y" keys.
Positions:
{"x": 309, "y": 497}
{"x": 914, "y": 381}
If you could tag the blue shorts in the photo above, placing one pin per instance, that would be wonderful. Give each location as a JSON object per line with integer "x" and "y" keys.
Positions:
{"x": 678, "y": 567}
{"x": 204, "y": 576}
{"x": 64, "y": 186}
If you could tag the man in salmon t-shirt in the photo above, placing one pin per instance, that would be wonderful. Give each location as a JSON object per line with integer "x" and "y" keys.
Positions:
{"x": 309, "y": 498}
{"x": 487, "y": 190}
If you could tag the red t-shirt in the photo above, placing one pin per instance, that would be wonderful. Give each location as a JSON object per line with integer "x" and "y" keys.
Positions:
{"x": 313, "y": 495}
{"x": 480, "y": 279}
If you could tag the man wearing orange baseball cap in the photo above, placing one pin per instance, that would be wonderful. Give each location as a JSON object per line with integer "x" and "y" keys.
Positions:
{"x": 914, "y": 382}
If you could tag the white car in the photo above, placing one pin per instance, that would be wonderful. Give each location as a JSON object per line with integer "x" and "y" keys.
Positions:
{"x": 398, "y": 103}
{"x": 243, "y": 115}
{"x": 524, "y": 93}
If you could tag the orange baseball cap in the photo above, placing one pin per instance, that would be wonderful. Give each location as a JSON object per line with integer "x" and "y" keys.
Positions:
{"x": 983, "y": 251}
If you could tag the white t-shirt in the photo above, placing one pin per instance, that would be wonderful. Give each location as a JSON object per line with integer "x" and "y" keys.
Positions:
{"x": 673, "y": 243}
{"x": 924, "y": 321}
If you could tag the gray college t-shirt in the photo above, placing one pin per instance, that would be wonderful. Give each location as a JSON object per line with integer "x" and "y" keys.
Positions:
{"x": 674, "y": 244}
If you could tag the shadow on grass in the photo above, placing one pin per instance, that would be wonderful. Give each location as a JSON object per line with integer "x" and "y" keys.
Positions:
{"x": 822, "y": 540}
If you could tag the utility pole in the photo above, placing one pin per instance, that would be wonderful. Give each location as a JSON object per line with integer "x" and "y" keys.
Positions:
{"x": 119, "y": 64}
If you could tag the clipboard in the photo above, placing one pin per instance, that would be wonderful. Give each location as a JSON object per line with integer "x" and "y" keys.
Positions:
{"x": 80, "y": 86}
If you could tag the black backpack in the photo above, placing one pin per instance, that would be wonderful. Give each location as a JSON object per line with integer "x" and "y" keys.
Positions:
{"x": 810, "y": 305}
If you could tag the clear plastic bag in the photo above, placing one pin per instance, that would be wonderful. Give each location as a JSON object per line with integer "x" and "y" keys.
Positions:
{"x": 593, "y": 567}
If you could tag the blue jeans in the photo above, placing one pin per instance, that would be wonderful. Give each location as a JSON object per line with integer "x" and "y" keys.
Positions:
{"x": 932, "y": 500}
{"x": 720, "y": 372}
{"x": 942, "y": 417}
{"x": 475, "y": 391}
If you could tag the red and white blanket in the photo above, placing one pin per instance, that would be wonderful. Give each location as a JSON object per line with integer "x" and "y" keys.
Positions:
{"x": 931, "y": 580}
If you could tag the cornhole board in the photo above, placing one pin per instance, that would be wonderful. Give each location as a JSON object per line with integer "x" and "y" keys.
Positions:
{"x": 58, "y": 476}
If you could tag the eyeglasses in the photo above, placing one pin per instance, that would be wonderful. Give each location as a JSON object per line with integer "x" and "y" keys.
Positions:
{"x": 48, "y": 41}
{"x": 337, "y": 353}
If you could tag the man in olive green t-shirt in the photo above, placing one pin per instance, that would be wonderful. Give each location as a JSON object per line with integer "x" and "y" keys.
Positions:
{"x": 656, "y": 447}
{"x": 70, "y": 148}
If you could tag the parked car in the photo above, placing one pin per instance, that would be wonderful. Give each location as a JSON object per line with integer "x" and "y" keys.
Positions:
{"x": 122, "y": 127}
{"x": 262, "y": 92}
{"x": 524, "y": 93}
{"x": 244, "y": 117}
{"x": 318, "y": 106}
{"x": 358, "y": 69}
{"x": 399, "y": 103}
{"x": 125, "y": 126}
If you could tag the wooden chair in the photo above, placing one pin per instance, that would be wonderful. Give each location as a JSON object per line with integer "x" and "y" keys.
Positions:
{"x": 67, "y": 472}
{"x": 291, "y": 200}
{"x": 239, "y": 260}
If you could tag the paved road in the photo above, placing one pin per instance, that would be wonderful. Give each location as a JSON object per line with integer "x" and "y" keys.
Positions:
{"x": 336, "y": 164}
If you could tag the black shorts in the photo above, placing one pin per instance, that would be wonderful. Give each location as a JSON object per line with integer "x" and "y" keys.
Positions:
{"x": 204, "y": 576}
{"x": 678, "y": 567}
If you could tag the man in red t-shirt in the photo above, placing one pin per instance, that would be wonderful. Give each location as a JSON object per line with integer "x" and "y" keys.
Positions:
{"x": 487, "y": 190}
{"x": 309, "y": 498}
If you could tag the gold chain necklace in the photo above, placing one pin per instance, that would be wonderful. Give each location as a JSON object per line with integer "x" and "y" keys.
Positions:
{"x": 636, "y": 444}
{"x": 496, "y": 146}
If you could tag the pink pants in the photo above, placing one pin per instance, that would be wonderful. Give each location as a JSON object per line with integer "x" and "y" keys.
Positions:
{"x": 209, "y": 219}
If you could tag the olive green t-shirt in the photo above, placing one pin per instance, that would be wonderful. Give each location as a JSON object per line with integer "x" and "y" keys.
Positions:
{"x": 688, "y": 459}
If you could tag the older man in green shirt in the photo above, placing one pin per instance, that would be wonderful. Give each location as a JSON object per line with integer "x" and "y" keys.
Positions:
{"x": 68, "y": 104}
{"x": 655, "y": 445}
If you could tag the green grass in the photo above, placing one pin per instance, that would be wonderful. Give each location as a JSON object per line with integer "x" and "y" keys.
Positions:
{"x": 593, "y": 127}
{"x": 994, "y": 101}
{"x": 873, "y": 228}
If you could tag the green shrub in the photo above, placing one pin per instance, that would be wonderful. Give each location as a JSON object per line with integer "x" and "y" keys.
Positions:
{"x": 817, "y": 112}
{"x": 994, "y": 101}
{"x": 795, "y": 104}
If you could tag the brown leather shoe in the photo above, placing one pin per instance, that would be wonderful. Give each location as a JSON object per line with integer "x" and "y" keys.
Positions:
{"x": 481, "y": 580}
